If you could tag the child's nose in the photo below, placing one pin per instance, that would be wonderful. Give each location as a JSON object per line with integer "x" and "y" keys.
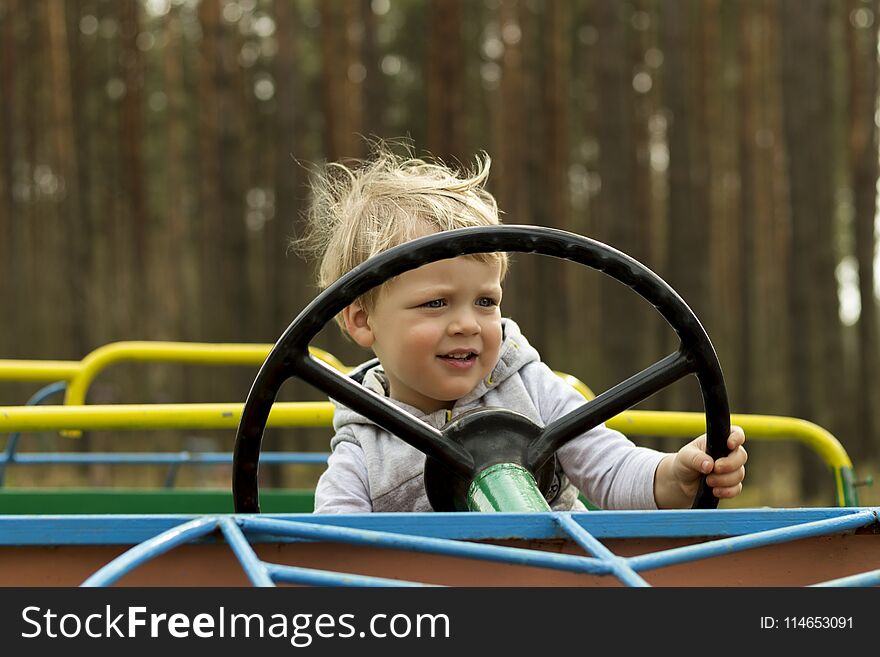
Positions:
{"x": 464, "y": 323}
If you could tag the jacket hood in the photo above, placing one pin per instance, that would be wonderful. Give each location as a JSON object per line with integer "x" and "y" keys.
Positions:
{"x": 514, "y": 354}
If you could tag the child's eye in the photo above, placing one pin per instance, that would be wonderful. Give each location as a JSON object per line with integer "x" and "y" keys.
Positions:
{"x": 486, "y": 302}
{"x": 435, "y": 303}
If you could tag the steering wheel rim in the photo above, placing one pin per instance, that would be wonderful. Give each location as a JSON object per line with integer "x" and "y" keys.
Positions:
{"x": 290, "y": 356}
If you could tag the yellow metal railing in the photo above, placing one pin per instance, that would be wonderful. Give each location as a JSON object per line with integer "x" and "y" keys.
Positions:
{"x": 123, "y": 417}
{"x": 80, "y": 374}
{"x": 320, "y": 414}
{"x": 39, "y": 370}
{"x": 673, "y": 424}
{"x": 75, "y": 417}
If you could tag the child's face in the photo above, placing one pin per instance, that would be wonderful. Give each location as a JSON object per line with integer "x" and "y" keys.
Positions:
{"x": 425, "y": 317}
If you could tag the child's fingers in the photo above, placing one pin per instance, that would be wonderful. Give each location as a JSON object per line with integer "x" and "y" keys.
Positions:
{"x": 733, "y": 461}
{"x": 727, "y": 493}
{"x": 728, "y": 472}
{"x": 699, "y": 461}
{"x": 736, "y": 438}
{"x": 726, "y": 480}
{"x": 696, "y": 459}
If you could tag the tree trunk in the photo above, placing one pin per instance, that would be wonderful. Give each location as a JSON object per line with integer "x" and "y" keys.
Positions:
{"x": 816, "y": 337}
{"x": 289, "y": 141}
{"x": 510, "y": 166}
{"x": 445, "y": 82}
{"x": 650, "y": 217}
{"x": 207, "y": 125}
{"x": 688, "y": 268}
{"x": 622, "y": 335}
{"x": 766, "y": 247}
{"x": 81, "y": 252}
{"x": 9, "y": 212}
{"x": 863, "y": 145}
{"x": 555, "y": 207}
{"x": 373, "y": 85}
{"x": 134, "y": 232}
{"x": 343, "y": 77}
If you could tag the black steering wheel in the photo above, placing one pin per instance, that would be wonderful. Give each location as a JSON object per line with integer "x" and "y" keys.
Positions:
{"x": 470, "y": 443}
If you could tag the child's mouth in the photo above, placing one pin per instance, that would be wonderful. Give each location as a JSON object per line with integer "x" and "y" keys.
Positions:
{"x": 459, "y": 360}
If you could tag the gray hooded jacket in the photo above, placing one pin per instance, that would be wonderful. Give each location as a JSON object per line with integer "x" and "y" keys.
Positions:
{"x": 372, "y": 470}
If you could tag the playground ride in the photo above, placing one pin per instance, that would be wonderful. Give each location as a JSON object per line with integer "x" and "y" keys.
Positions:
{"x": 520, "y": 542}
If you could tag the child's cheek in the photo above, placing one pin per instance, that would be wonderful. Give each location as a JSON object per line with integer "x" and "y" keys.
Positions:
{"x": 493, "y": 334}
{"x": 423, "y": 338}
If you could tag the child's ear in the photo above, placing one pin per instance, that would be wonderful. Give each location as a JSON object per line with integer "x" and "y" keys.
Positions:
{"x": 356, "y": 324}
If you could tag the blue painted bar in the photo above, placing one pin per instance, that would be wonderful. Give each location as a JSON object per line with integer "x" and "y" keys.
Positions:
{"x": 769, "y": 537}
{"x": 316, "y": 577}
{"x": 870, "y": 578}
{"x": 254, "y": 568}
{"x": 9, "y": 453}
{"x": 133, "y": 529}
{"x": 171, "y": 475}
{"x": 150, "y": 549}
{"x": 619, "y": 566}
{"x": 445, "y": 547}
{"x": 164, "y": 533}
{"x": 703, "y": 522}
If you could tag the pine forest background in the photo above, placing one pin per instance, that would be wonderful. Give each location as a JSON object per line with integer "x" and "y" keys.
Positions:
{"x": 154, "y": 157}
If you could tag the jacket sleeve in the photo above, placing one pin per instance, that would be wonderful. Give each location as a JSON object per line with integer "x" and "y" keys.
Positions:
{"x": 606, "y": 466}
{"x": 344, "y": 486}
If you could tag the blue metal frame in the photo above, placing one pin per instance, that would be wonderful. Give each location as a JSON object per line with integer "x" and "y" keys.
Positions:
{"x": 172, "y": 459}
{"x": 447, "y": 534}
{"x": 9, "y": 455}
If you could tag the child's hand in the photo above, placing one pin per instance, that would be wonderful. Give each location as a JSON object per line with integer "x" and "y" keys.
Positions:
{"x": 678, "y": 475}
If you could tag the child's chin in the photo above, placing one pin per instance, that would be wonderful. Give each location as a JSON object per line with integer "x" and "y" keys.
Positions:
{"x": 453, "y": 394}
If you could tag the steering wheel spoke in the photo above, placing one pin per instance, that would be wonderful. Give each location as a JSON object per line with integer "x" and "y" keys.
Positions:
{"x": 613, "y": 401}
{"x": 419, "y": 434}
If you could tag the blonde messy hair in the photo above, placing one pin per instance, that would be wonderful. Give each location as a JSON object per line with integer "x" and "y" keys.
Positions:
{"x": 372, "y": 205}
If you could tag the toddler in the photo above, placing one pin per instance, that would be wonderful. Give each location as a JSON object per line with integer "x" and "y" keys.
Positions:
{"x": 443, "y": 348}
